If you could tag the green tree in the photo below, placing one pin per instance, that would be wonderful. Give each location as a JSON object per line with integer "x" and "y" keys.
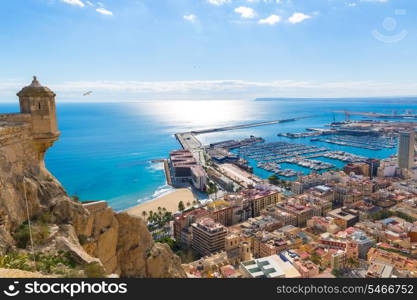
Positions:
{"x": 181, "y": 206}
{"x": 273, "y": 179}
{"x": 315, "y": 259}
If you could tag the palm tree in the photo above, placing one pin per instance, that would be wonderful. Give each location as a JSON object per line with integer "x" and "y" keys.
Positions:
{"x": 188, "y": 204}
{"x": 144, "y": 213}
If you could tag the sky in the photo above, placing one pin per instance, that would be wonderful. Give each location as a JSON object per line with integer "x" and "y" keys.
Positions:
{"x": 127, "y": 50}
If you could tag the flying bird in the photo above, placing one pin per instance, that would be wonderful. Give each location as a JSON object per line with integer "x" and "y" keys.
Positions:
{"x": 88, "y": 93}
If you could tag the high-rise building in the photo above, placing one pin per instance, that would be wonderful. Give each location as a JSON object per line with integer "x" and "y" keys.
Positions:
{"x": 208, "y": 236}
{"x": 406, "y": 150}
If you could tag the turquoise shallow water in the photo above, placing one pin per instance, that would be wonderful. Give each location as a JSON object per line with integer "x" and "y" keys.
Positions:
{"x": 105, "y": 150}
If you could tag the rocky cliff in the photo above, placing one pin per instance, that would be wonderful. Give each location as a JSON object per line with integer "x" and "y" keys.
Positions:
{"x": 91, "y": 232}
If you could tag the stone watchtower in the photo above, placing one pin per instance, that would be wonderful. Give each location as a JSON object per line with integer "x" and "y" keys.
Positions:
{"x": 39, "y": 102}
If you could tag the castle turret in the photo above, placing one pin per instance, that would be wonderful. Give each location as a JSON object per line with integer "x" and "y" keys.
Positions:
{"x": 39, "y": 102}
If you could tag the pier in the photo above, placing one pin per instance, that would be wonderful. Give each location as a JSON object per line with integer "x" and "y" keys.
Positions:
{"x": 189, "y": 141}
{"x": 378, "y": 115}
{"x": 235, "y": 127}
{"x": 167, "y": 172}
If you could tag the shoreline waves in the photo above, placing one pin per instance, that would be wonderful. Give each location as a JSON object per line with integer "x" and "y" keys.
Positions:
{"x": 169, "y": 201}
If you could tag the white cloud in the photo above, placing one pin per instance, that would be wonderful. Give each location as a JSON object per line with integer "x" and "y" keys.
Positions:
{"x": 191, "y": 18}
{"x": 74, "y": 2}
{"x": 90, "y": 3}
{"x": 218, "y": 2}
{"x": 263, "y": 1}
{"x": 233, "y": 89}
{"x": 377, "y": 1}
{"x": 104, "y": 11}
{"x": 214, "y": 89}
{"x": 271, "y": 20}
{"x": 298, "y": 18}
{"x": 245, "y": 12}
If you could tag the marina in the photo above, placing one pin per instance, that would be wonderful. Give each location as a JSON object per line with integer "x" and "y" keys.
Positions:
{"x": 277, "y": 151}
{"x": 315, "y": 165}
{"x": 365, "y": 142}
{"x": 320, "y": 149}
{"x": 234, "y": 144}
{"x": 343, "y": 143}
{"x": 271, "y": 157}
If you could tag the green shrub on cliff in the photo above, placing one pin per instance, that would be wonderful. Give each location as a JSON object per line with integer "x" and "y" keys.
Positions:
{"x": 60, "y": 263}
{"x": 94, "y": 270}
{"x": 40, "y": 232}
{"x": 16, "y": 261}
{"x": 54, "y": 264}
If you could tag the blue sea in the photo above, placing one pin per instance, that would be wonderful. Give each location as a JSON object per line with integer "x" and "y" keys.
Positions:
{"x": 106, "y": 149}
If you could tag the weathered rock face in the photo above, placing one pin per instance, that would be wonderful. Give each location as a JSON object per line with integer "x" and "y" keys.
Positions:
{"x": 162, "y": 263}
{"x": 26, "y": 187}
{"x": 120, "y": 242}
{"x": 92, "y": 232}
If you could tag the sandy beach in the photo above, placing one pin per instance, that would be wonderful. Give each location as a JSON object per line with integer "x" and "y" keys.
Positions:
{"x": 169, "y": 201}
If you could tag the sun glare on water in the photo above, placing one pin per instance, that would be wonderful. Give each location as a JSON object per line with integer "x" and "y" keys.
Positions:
{"x": 198, "y": 114}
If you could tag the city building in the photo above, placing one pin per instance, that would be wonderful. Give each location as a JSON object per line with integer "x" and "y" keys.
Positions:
{"x": 301, "y": 212}
{"x": 199, "y": 177}
{"x": 181, "y": 162}
{"x": 306, "y": 268}
{"x": 269, "y": 267}
{"x": 396, "y": 260}
{"x": 406, "y": 150}
{"x": 208, "y": 236}
{"x": 283, "y": 217}
{"x": 322, "y": 224}
{"x": 338, "y": 260}
{"x": 261, "y": 197}
{"x": 344, "y": 217}
{"x": 182, "y": 224}
{"x": 379, "y": 270}
{"x": 242, "y": 177}
{"x": 306, "y": 182}
{"x": 358, "y": 169}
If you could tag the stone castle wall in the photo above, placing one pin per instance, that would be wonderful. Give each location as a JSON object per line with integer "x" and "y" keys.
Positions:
{"x": 15, "y": 117}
